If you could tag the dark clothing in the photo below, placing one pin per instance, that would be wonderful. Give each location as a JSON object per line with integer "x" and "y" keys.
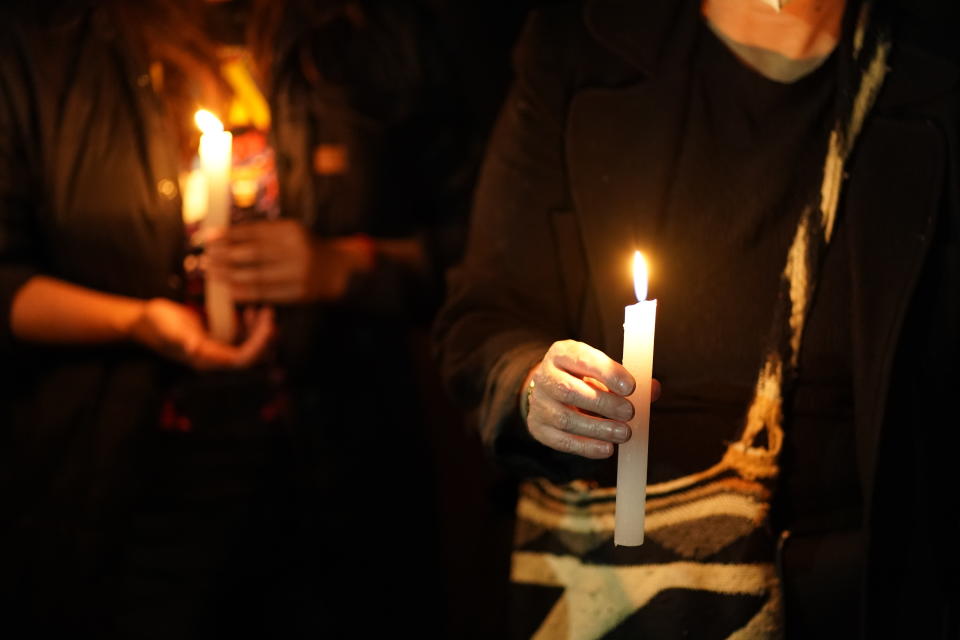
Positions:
{"x": 575, "y": 180}
{"x": 113, "y": 526}
{"x": 85, "y": 154}
{"x": 750, "y": 155}
{"x": 381, "y": 92}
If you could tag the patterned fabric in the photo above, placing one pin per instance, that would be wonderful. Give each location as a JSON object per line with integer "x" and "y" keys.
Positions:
{"x": 707, "y": 567}
{"x": 706, "y": 560}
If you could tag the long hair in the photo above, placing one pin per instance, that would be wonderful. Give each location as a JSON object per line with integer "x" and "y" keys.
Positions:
{"x": 170, "y": 37}
{"x": 173, "y": 36}
{"x": 268, "y": 18}
{"x": 370, "y": 46}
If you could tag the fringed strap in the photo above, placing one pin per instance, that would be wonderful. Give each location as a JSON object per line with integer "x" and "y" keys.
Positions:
{"x": 756, "y": 453}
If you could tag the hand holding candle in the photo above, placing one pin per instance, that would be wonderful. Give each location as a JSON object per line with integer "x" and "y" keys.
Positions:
{"x": 577, "y": 405}
{"x": 638, "y": 329}
{"x": 576, "y": 401}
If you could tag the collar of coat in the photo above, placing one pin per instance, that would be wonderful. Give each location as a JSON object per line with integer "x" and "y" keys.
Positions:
{"x": 640, "y": 33}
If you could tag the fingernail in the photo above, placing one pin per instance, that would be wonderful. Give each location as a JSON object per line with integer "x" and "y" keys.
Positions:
{"x": 604, "y": 450}
{"x": 625, "y": 386}
{"x": 620, "y": 433}
{"x": 625, "y": 411}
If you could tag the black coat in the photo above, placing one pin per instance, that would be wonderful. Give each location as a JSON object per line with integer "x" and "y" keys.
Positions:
{"x": 557, "y": 215}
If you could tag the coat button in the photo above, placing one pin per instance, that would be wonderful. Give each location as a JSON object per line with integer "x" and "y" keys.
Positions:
{"x": 175, "y": 282}
{"x": 167, "y": 188}
{"x": 143, "y": 81}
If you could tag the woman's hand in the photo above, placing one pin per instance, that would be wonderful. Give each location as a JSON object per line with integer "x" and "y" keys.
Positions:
{"x": 579, "y": 400}
{"x": 50, "y": 311}
{"x": 281, "y": 262}
{"x": 176, "y": 332}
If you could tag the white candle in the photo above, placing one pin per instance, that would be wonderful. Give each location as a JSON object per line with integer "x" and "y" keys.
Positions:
{"x": 215, "y": 161}
{"x": 638, "y": 326}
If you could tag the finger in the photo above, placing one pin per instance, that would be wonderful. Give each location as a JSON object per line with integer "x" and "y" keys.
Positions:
{"x": 208, "y": 354}
{"x": 216, "y": 260}
{"x": 246, "y": 294}
{"x": 249, "y": 231}
{"x": 593, "y": 382}
{"x": 569, "y": 443}
{"x": 248, "y": 285}
{"x": 276, "y": 232}
{"x": 211, "y": 235}
{"x": 183, "y": 349}
{"x": 273, "y": 294}
{"x": 571, "y": 390}
{"x": 583, "y": 360}
{"x": 249, "y": 318}
{"x": 547, "y": 411}
{"x": 248, "y": 253}
{"x": 655, "y": 388}
{"x": 278, "y": 283}
{"x": 264, "y": 274}
{"x": 259, "y": 338}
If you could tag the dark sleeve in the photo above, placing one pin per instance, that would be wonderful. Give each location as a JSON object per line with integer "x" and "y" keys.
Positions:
{"x": 505, "y": 304}
{"x": 17, "y": 234}
{"x": 383, "y": 86}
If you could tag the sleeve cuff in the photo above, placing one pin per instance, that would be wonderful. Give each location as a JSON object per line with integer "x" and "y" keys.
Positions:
{"x": 502, "y": 430}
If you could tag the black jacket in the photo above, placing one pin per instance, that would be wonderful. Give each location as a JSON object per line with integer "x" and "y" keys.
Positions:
{"x": 576, "y": 145}
{"x": 87, "y": 194}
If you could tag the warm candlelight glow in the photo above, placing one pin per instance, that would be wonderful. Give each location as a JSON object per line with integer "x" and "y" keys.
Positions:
{"x": 207, "y": 122}
{"x": 640, "y": 276}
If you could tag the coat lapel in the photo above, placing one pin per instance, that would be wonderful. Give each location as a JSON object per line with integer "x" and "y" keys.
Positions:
{"x": 621, "y": 143}
{"x": 893, "y": 197}
{"x": 618, "y": 196}
{"x": 642, "y": 33}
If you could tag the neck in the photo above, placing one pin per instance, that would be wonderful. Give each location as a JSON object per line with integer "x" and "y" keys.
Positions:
{"x": 801, "y": 30}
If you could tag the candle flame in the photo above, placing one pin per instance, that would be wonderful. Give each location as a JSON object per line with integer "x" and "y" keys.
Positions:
{"x": 777, "y": 5}
{"x": 207, "y": 122}
{"x": 640, "y": 276}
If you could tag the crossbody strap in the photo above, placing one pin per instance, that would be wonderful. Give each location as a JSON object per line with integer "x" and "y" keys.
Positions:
{"x": 756, "y": 453}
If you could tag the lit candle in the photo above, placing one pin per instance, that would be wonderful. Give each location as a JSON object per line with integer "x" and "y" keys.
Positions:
{"x": 639, "y": 322}
{"x": 215, "y": 162}
{"x": 777, "y": 5}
